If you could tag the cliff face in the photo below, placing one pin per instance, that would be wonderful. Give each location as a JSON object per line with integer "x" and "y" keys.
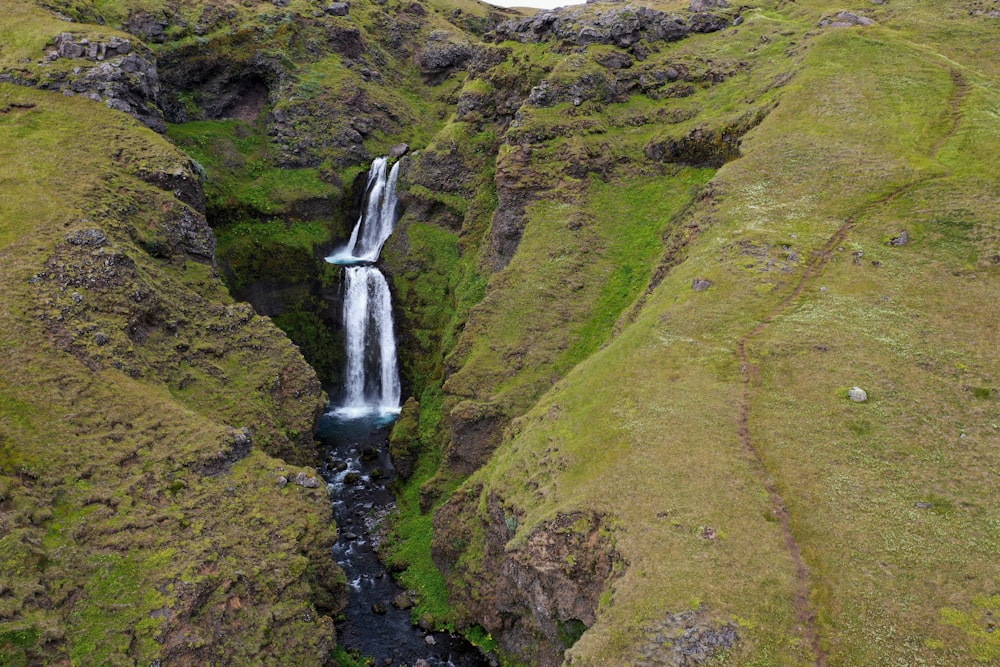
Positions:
{"x": 646, "y": 252}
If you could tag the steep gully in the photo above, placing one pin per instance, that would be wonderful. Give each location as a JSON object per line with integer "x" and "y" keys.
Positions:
{"x": 805, "y": 613}
{"x": 357, "y": 468}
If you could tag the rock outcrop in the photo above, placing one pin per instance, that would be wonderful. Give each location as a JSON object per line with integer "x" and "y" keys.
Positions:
{"x": 537, "y": 594}
{"x": 620, "y": 26}
{"x": 113, "y": 70}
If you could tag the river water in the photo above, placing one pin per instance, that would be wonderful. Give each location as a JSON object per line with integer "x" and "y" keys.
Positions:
{"x": 359, "y": 474}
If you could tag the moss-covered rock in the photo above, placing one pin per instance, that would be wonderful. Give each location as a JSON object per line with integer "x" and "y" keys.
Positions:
{"x": 404, "y": 441}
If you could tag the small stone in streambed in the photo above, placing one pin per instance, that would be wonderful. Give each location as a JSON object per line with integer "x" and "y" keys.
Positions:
{"x": 402, "y": 601}
{"x": 369, "y": 454}
{"x": 421, "y": 663}
{"x": 857, "y": 394}
{"x": 379, "y": 608}
{"x": 350, "y": 536}
{"x": 430, "y": 641}
{"x": 352, "y": 478}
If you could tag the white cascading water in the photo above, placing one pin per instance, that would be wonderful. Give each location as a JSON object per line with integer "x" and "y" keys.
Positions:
{"x": 370, "y": 343}
{"x": 371, "y": 379}
{"x": 377, "y": 219}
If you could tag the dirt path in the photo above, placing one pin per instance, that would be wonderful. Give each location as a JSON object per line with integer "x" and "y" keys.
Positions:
{"x": 805, "y": 613}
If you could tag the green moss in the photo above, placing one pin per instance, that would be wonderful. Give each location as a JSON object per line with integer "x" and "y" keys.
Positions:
{"x": 240, "y": 175}
{"x": 410, "y": 546}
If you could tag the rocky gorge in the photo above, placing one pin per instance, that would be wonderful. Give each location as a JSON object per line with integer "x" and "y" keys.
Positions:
{"x": 646, "y": 258}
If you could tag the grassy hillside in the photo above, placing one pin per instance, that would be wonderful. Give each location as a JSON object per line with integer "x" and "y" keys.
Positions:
{"x": 637, "y": 276}
{"x": 139, "y": 512}
{"x": 714, "y": 433}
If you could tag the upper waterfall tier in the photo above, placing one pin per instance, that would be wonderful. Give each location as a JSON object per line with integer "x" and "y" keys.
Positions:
{"x": 377, "y": 219}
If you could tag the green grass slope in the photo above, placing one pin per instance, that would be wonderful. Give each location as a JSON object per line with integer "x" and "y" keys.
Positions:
{"x": 714, "y": 433}
{"x": 137, "y": 522}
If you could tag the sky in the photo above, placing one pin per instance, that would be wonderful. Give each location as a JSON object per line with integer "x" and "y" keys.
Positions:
{"x": 542, "y": 4}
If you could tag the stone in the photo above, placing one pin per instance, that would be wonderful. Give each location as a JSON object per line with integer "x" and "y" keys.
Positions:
{"x": 845, "y": 20}
{"x": 901, "y": 240}
{"x": 282, "y": 481}
{"x": 307, "y": 481}
{"x": 88, "y": 237}
{"x": 701, "y": 284}
{"x": 101, "y": 339}
{"x": 337, "y": 9}
{"x": 705, "y": 5}
{"x": 402, "y": 601}
{"x": 399, "y": 150}
{"x": 857, "y": 394}
{"x": 429, "y": 640}
{"x": 421, "y": 663}
{"x": 442, "y": 52}
{"x": 379, "y": 607}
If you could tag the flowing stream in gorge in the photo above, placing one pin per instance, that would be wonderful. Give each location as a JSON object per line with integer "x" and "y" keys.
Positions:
{"x": 357, "y": 467}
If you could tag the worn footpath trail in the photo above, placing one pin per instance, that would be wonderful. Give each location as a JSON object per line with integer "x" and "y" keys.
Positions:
{"x": 805, "y": 612}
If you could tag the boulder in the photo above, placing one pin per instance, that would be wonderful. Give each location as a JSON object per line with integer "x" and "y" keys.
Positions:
{"x": 845, "y": 20}
{"x": 306, "y": 481}
{"x": 857, "y": 394}
{"x": 442, "y": 53}
{"x": 705, "y": 5}
{"x": 337, "y": 9}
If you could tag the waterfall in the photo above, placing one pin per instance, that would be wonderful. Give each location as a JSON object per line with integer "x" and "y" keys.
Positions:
{"x": 371, "y": 377}
{"x": 378, "y": 217}
{"x": 370, "y": 343}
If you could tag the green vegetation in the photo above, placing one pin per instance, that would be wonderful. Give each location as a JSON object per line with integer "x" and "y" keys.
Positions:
{"x": 112, "y": 450}
{"x": 638, "y": 300}
{"x": 643, "y": 425}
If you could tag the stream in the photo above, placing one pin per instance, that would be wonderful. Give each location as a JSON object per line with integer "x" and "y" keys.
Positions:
{"x": 358, "y": 472}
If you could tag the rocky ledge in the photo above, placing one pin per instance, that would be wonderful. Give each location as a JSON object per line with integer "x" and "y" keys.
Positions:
{"x": 620, "y": 26}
